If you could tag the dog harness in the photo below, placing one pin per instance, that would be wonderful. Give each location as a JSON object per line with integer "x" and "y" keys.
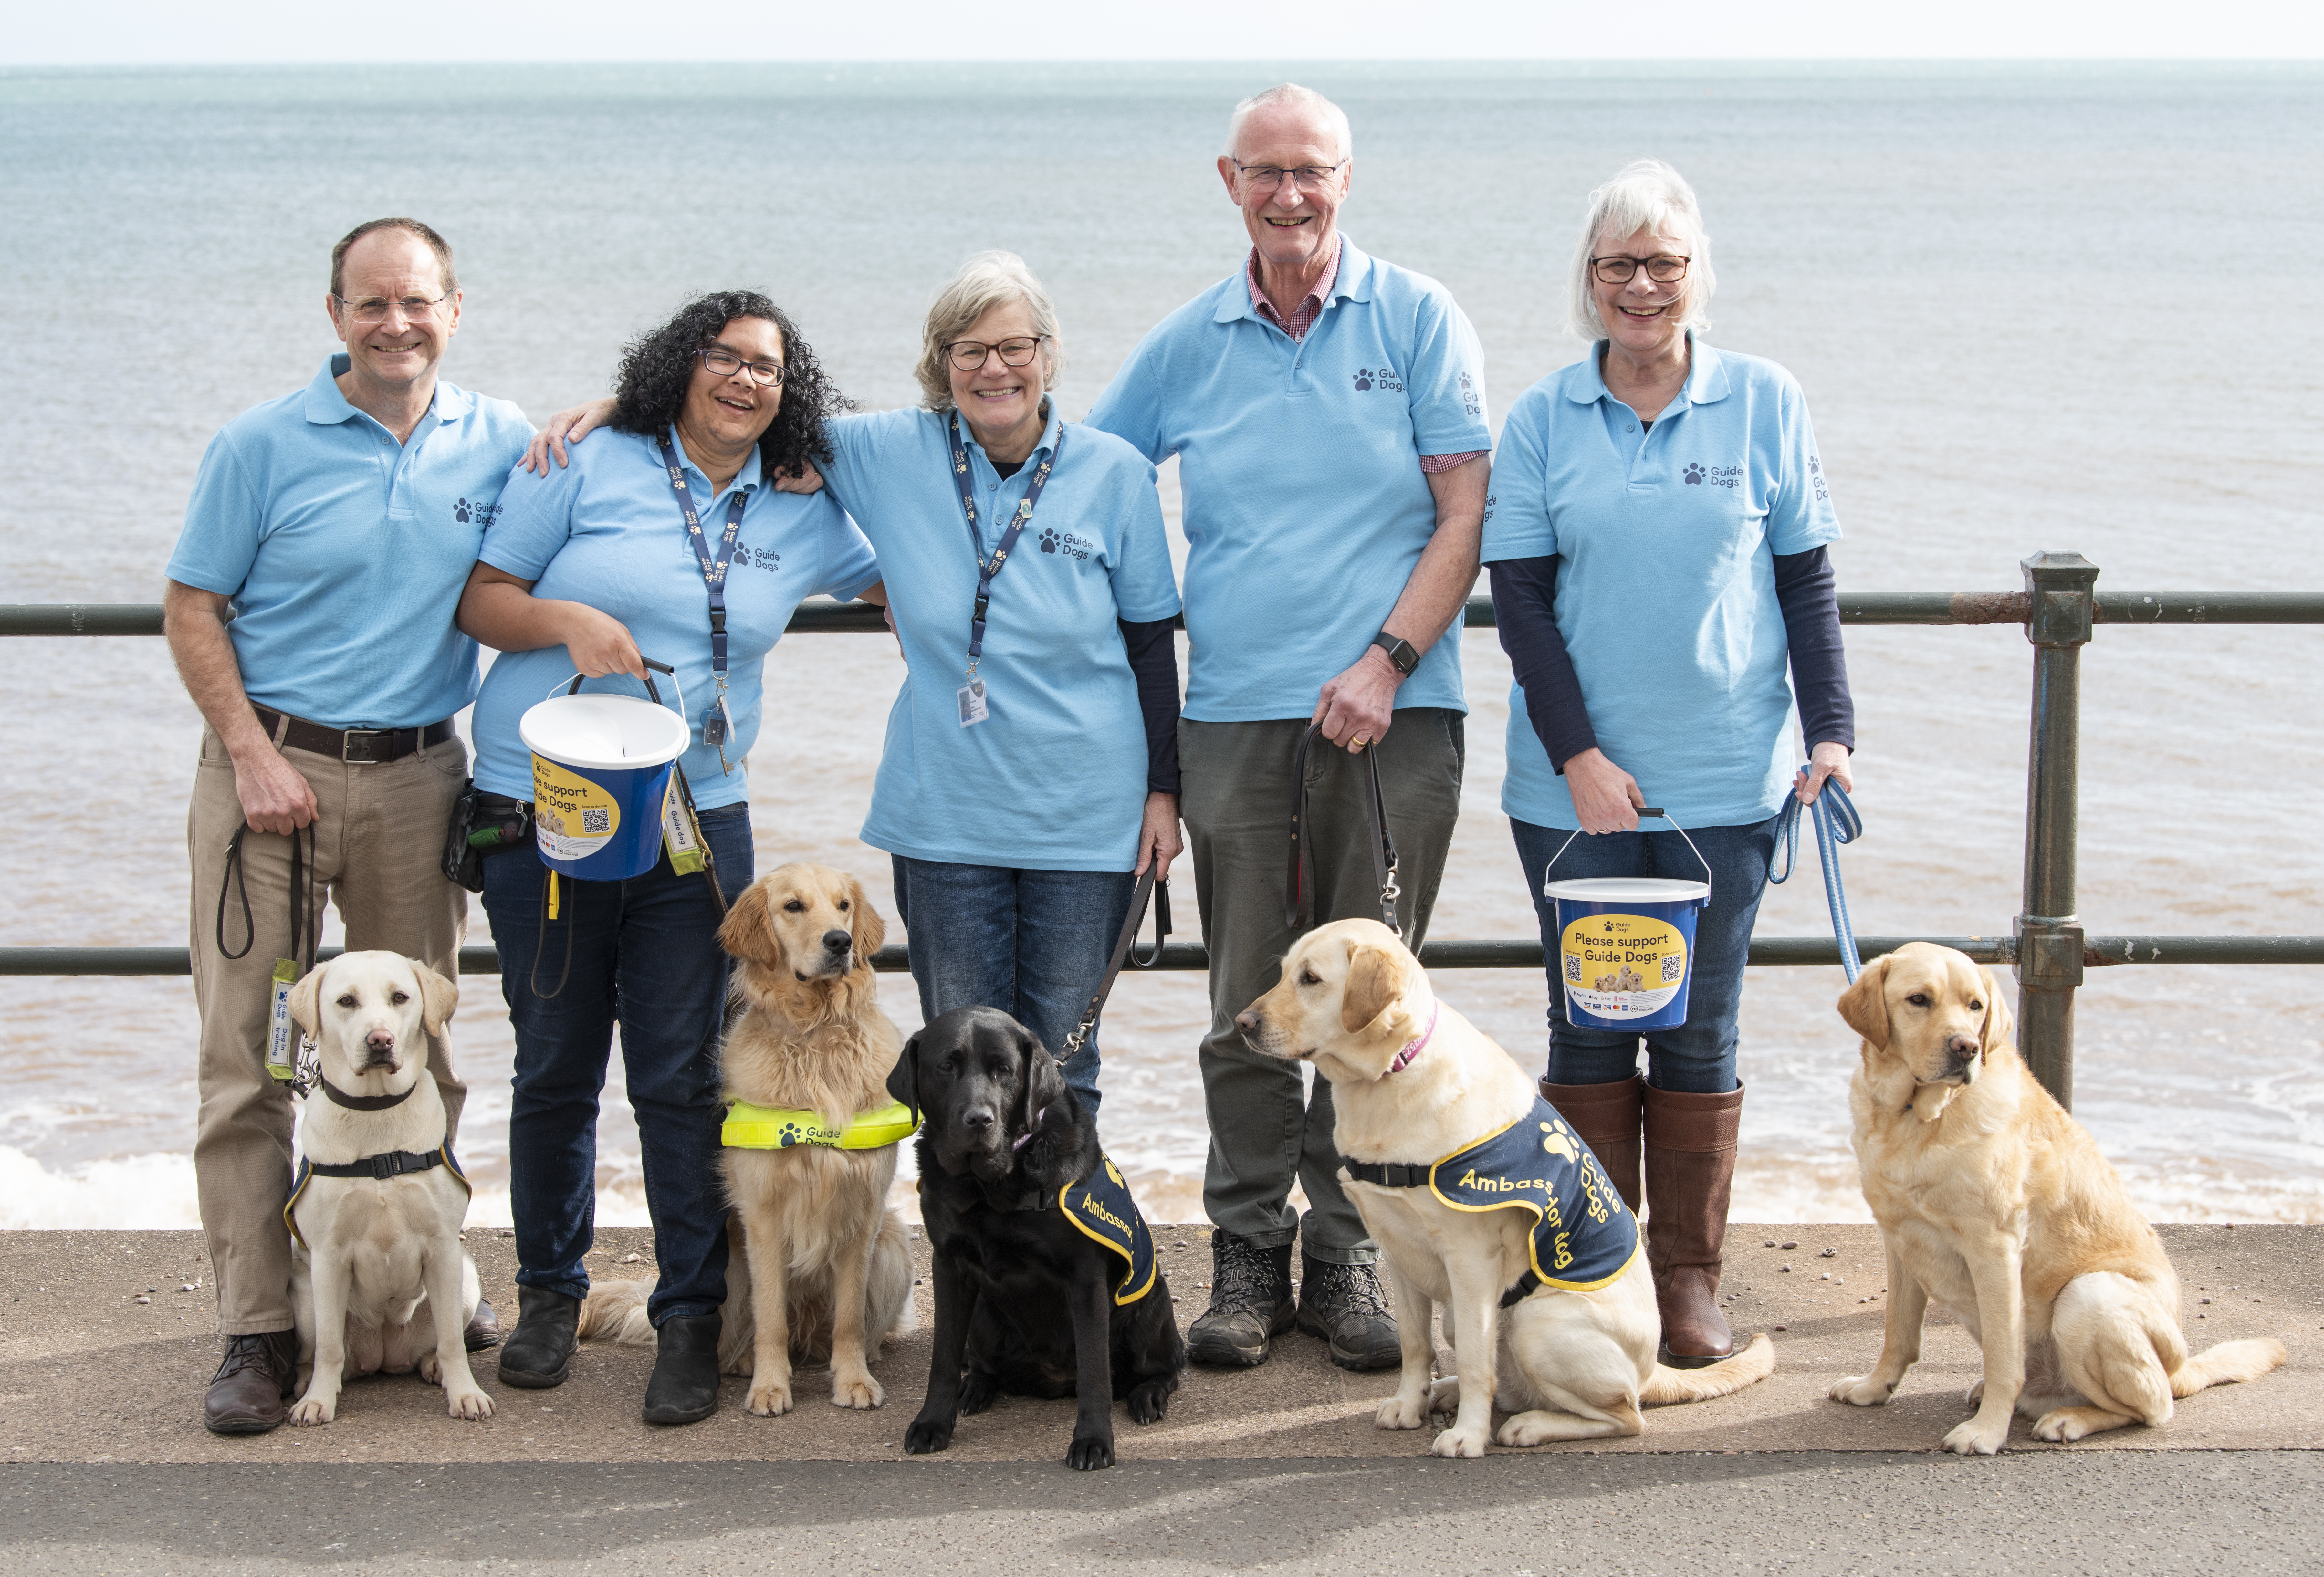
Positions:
{"x": 779, "y": 1127}
{"x": 1583, "y": 1235}
{"x": 381, "y": 1168}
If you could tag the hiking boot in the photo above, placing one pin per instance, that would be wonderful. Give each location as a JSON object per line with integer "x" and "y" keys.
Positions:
{"x": 539, "y": 1353}
{"x": 684, "y": 1388}
{"x": 252, "y": 1382}
{"x": 1250, "y": 1304}
{"x": 1346, "y": 1306}
{"x": 484, "y": 1328}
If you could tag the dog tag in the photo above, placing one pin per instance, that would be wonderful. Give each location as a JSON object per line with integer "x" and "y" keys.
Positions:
{"x": 972, "y": 709}
{"x": 679, "y": 835}
{"x": 282, "y": 1033}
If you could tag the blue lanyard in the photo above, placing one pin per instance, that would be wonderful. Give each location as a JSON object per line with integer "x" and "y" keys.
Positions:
{"x": 986, "y": 569}
{"x": 714, "y": 568}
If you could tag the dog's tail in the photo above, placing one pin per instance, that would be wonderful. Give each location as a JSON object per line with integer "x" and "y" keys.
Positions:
{"x": 2227, "y": 1363}
{"x": 1669, "y": 1385}
{"x": 615, "y": 1310}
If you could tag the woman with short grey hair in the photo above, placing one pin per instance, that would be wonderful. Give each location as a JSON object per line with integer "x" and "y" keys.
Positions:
{"x": 1658, "y": 546}
{"x": 1030, "y": 772}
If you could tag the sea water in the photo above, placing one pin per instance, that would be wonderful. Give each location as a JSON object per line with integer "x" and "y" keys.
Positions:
{"x": 2060, "y": 308}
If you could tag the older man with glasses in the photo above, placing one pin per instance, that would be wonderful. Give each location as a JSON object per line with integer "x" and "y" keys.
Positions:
{"x": 1328, "y": 409}
{"x": 310, "y": 608}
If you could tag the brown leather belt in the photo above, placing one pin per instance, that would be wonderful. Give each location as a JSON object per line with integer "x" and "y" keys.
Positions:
{"x": 359, "y": 747}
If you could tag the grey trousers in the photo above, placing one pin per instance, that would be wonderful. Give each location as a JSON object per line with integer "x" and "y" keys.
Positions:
{"x": 1265, "y": 1129}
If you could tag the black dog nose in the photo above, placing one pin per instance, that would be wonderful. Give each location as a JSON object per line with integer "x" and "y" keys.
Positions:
{"x": 380, "y": 1040}
{"x": 835, "y": 940}
{"x": 977, "y": 1117}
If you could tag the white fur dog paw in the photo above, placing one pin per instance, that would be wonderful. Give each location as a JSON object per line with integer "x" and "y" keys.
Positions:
{"x": 471, "y": 1404}
{"x": 769, "y": 1399}
{"x": 1863, "y": 1390}
{"x": 1400, "y": 1412}
{"x": 2062, "y": 1425}
{"x": 1444, "y": 1395}
{"x": 1458, "y": 1443}
{"x": 311, "y": 1409}
{"x": 856, "y": 1390}
{"x": 430, "y": 1370}
{"x": 1977, "y": 1437}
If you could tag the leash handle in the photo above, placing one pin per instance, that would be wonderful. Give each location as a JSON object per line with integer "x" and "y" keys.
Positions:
{"x": 1837, "y": 821}
{"x": 1382, "y": 843}
{"x": 1125, "y": 950}
{"x": 1646, "y": 813}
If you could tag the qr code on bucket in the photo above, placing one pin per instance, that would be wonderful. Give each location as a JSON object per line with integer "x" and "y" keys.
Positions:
{"x": 1673, "y": 967}
{"x": 598, "y": 821}
{"x": 1574, "y": 969}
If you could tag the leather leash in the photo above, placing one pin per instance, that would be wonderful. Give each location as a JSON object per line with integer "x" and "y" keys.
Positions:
{"x": 1383, "y": 845}
{"x": 1124, "y": 951}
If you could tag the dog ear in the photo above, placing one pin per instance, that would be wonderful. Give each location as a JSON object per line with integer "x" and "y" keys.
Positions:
{"x": 1998, "y": 1020}
{"x": 904, "y": 1078}
{"x": 437, "y": 997}
{"x": 868, "y": 928}
{"x": 307, "y": 1000}
{"x": 1864, "y": 1006}
{"x": 745, "y": 933}
{"x": 1043, "y": 1083}
{"x": 1375, "y": 981}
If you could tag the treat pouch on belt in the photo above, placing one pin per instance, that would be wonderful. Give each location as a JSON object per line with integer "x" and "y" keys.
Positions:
{"x": 1101, "y": 1210}
{"x": 1583, "y": 1235}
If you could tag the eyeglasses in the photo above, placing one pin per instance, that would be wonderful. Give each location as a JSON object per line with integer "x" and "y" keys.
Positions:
{"x": 1269, "y": 177}
{"x": 726, "y": 364}
{"x": 375, "y": 308}
{"x": 968, "y": 354}
{"x": 1664, "y": 270}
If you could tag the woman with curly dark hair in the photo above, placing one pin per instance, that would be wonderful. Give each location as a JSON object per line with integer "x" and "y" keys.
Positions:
{"x": 667, "y": 538}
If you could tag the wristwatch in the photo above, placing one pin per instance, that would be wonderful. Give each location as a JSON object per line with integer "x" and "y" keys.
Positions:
{"x": 1400, "y": 652}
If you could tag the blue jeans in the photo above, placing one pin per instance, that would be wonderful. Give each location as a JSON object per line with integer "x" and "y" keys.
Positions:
{"x": 1698, "y": 1056}
{"x": 1033, "y": 944}
{"x": 645, "y": 955}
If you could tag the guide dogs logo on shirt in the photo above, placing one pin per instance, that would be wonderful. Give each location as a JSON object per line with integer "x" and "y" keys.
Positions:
{"x": 1378, "y": 378}
{"x": 480, "y": 513}
{"x": 1101, "y": 1209}
{"x": 1583, "y": 1235}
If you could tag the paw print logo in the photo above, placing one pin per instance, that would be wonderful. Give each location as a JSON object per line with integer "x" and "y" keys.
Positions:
{"x": 1363, "y": 377}
{"x": 461, "y": 511}
{"x": 1049, "y": 541}
{"x": 1558, "y": 1142}
{"x": 788, "y": 1135}
{"x": 1694, "y": 476}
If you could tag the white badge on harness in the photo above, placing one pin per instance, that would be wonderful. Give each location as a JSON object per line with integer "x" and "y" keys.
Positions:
{"x": 972, "y": 709}
{"x": 282, "y": 1033}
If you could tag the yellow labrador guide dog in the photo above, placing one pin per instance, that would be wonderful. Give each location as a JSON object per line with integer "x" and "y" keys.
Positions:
{"x": 379, "y": 1282}
{"x": 1992, "y": 1199}
{"x": 1562, "y": 1336}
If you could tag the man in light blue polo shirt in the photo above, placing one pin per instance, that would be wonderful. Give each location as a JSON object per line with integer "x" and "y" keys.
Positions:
{"x": 1328, "y": 413}
{"x": 309, "y": 609}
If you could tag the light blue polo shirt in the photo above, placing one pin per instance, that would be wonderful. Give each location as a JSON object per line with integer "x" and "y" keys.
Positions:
{"x": 1666, "y": 582}
{"x": 1299, "y": 460}
{"x": 605, "y": 531}
{"x": 1055, "y": 780}
{"x": 344, "y": 552}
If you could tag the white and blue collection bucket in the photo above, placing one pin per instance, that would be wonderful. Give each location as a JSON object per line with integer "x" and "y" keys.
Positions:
{"x": 601, "y": 780}
{"x": 1625, "y": 949}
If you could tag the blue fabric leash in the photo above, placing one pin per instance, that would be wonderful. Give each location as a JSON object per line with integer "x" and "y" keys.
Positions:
{"x": 1837, "y": 821}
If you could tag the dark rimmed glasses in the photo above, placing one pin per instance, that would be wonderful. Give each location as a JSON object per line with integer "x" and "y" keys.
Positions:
{"x": 376, "y": 309}
{"x": 725, "y": 363}
{"x": 1664, "y": 269}
{"x": 968, "y": 354}
{"x": 1310, "y": 178}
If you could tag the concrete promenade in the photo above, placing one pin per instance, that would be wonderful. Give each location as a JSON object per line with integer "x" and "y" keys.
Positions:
{"x": 1278, "y": 1467}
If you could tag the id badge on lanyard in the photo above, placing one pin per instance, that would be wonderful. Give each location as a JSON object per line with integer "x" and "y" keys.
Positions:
{"x": 718, "y": 726}
{"x": 973, "y": 706}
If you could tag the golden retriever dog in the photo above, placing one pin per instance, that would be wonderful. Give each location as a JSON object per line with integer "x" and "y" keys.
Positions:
{"x": 1993, "y": 1200}
{"x": 379, "y": 1282}
{"x": 1568, "y": 1364}
{"x": 819, "y": 1269}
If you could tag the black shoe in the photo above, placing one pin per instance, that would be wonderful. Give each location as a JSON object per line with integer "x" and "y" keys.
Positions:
{"x": 256, "y": 1378}
{"x": 1345, "y": 1305}
{"x": 484, "y": 1328}
{"x": 539, "y": 1353}
{"x": 684, "y": 1388}
{"x": 1250, "y": 1304}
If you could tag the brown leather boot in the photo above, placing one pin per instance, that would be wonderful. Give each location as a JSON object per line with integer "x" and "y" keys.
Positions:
{"x": 1606, "y": 1117}
{"x": 1690, "y": 1155}
{"x": 248, "y": 1394}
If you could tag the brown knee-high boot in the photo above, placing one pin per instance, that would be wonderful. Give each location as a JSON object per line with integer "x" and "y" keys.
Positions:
{"x": 1690, "y": 1156}
{"x": 1606, "y": 1117}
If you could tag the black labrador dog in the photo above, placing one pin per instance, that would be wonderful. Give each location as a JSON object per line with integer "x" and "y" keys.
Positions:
{"x": 1027, "y": 1300}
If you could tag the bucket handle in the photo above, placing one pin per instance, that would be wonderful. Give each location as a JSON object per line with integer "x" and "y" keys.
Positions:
{"x": 652, "y": 667}
{"x": 1646, "y": 813}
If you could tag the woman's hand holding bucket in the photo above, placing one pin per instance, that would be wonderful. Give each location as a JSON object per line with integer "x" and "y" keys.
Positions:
{"x": 600, "y": 644}
{"x": 1606, "y": 798}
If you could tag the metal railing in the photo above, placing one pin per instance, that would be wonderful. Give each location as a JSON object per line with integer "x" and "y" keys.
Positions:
{"x": 2060, "y": 608}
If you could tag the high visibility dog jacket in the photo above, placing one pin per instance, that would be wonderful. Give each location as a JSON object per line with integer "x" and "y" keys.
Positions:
{"x": 779, "y": 1127}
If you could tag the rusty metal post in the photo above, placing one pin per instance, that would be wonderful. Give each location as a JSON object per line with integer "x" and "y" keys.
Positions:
{"x": 2060, "y": 605}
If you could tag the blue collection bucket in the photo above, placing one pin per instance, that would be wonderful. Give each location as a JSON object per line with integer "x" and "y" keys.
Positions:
{"x": 601, "y": 780}
{"x": 1625, "y": 947}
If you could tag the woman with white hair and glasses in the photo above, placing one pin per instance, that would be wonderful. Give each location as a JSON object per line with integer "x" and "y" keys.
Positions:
{"x": 1657, "y": 545}
{"x": 1030, "y": 772}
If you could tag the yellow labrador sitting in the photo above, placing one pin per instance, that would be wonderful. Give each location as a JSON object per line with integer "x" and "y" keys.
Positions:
{"x": 1990, "y": 1198}
{"x": 1414, "y": 1083}
{"x": 379, "y": 1282}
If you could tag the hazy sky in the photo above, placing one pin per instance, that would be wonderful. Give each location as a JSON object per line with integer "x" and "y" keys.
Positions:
{"x": 165, "y": 32}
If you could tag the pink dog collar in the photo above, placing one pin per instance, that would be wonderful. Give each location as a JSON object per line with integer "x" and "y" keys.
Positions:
{"x": 1412, "y": 1048}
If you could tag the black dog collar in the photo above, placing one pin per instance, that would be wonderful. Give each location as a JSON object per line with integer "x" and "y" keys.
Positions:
{"x": 362, "y": 1103}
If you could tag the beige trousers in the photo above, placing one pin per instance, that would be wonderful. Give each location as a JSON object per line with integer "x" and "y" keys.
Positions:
{"x": 379, "y": 843}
